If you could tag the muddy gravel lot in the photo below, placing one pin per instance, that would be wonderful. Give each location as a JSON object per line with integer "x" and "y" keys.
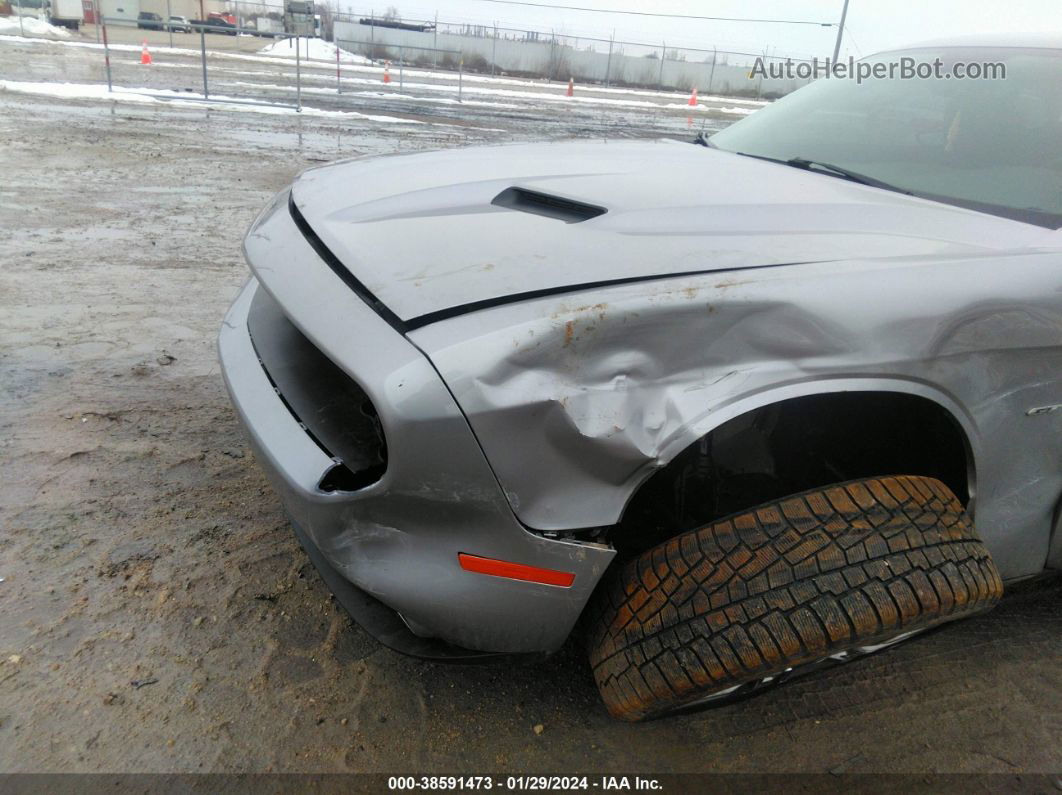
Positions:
{"x": 156, "y": 612}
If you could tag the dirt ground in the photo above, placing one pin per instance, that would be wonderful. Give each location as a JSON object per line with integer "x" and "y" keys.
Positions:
{"x": 157, "y": 612}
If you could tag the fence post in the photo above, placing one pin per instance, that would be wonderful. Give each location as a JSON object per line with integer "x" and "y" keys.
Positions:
{"x": 21, "y": 31}
{"x": 711, "y": 75}
{"x": 435, "y": 44}
{"x": 494, "y": 50}
{"x": 608, "y": 63}
{"x": 372, "y": 27}
{"x": 202, "y": 51}
{"x": 298, "y": 77}
{"x": 759, "y": 82}
{"x": 460, "y": 76}
{"x": 663, "y": 55}
{"x": 401, "y": 68}
{"x": 169, "y": 27}
{"x": 106, "y": 54}
{"x": 339, "y": 86}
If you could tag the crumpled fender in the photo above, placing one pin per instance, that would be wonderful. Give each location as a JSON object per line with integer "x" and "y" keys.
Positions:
{"x": 577, "y": 399}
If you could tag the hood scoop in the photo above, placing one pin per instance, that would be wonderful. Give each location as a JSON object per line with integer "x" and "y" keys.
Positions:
{"x": 530, "y": 201}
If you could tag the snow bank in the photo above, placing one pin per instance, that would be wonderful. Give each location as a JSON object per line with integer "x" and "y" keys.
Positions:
{"x": 33, "y": 27}
{"x": 184, "y": 98}
{"x": 311, "y": 50}
{"x": 735, "y": 111}
{"x": 710, "y": 108}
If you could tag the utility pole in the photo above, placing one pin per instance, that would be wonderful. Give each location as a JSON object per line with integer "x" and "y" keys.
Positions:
{"x": 840, "y": 33}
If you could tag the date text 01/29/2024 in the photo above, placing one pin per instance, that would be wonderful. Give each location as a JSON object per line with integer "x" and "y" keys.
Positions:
{"x": 523, "y": 783}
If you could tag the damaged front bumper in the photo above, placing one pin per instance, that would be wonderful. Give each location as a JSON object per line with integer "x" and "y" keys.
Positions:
{"x": 397, "y": 540}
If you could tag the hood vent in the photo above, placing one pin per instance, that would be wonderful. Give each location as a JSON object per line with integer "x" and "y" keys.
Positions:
{"x": 529, "y": 201}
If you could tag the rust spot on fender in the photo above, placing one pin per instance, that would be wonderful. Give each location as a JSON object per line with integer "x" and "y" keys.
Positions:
{"x": 569, "y": 332}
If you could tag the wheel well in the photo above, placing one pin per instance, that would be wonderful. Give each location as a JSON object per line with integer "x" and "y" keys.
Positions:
{"x": 791, "y": 446}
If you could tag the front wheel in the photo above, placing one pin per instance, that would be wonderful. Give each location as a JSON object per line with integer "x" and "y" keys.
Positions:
{"x": 753, "y": 597}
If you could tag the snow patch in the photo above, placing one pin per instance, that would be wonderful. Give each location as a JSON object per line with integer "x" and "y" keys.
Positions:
{"x": 32, "y": 27}
{"x": 711, "y": 108}
{"x": 311, "y": 50}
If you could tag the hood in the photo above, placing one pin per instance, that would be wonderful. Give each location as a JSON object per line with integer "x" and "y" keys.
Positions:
{"x": 440, "y": 233}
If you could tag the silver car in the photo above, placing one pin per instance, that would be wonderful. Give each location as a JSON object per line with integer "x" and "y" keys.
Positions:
{"x": 735, "y": 406}
{"x": 179, "y": 24}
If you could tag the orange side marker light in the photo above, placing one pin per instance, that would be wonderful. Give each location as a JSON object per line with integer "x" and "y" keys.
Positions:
{"x": 515, "y": 571}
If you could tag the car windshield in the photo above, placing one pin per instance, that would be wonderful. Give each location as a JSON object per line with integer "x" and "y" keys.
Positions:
{"x": 987, "y": 144}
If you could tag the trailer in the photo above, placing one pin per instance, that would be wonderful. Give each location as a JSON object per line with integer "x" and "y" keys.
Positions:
{"x": 65, "y": 13}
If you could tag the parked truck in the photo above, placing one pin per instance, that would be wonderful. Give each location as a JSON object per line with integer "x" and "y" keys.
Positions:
{"x": 66, "y": 13}
{"x": 216, "y": 22}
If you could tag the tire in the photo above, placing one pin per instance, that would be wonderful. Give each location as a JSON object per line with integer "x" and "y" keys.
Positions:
{"x": 791, "y": 583}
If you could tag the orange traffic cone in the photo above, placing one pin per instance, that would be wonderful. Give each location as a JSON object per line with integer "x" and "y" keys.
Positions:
{"x": 693, "y": 97}
{"x": 387, "y": 71}
{"x": 145, "y": 56}
{"x": 571, "y": 86}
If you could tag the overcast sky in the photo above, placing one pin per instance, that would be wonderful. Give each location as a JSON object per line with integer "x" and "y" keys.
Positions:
{"x": 872, "y": 25}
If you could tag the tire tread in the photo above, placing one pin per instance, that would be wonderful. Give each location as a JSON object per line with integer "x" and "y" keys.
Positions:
{"x": 783, "y": 584}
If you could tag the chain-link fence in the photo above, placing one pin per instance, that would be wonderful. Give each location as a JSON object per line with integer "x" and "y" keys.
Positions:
{"x": 283, "y": 72}
{"x": 205, "y": 64}
{"x": 497, "y": 50}
{"x": 396, "y": 58}
{"x": 243, "y": 56}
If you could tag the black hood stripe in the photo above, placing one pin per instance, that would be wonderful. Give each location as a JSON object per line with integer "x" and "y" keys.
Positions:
{"x": 342, "y": 272}
{"x": 474, "y": 306}
{"x": 405, "y": 326}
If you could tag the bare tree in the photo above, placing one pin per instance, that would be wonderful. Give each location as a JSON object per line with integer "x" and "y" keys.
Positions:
{"x": 391, "y": 15}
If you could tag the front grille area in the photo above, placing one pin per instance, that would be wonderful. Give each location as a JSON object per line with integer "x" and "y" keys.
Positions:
{"x": 330, "y": 406}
